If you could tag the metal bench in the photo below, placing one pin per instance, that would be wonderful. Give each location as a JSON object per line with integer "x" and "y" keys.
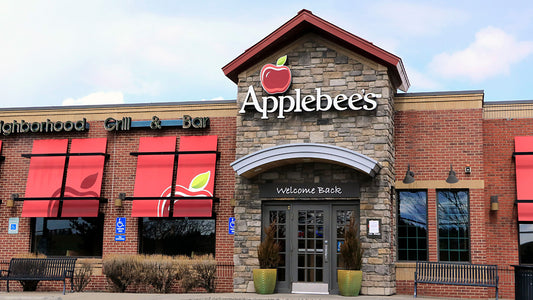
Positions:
{"x": 456, "y": 274}
{"x": 37, "y": 269}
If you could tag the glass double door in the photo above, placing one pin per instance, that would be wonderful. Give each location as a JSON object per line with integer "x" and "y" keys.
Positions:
{"x": 310, "y": 236}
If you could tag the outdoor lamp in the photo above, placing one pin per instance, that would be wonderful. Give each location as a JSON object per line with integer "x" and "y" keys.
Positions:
{"x": 409, "y": 176}
{"x": 494, "y": 203}
{"x": 118, "y": 202}
{"x": 451, "y": 176}
{"x": 11, "y": 202}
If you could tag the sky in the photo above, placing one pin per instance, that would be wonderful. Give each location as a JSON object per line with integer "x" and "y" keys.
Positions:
{"x": 55, "y": 53}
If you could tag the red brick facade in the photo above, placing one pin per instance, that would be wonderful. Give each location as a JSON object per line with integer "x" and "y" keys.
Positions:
{"x": 119, "y": 177}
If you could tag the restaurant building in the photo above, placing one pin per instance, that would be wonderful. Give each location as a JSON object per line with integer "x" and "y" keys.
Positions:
{"x": 320, "y": 132}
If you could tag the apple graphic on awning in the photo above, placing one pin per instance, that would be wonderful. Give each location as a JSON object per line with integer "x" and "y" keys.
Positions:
{"x": 276, "y": 79}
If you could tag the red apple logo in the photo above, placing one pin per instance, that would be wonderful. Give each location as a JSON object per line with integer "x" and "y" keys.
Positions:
{"x": 276, "y": 79}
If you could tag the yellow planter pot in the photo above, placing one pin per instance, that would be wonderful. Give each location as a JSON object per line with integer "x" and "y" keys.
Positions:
{"x": 349, "y": 282}
{"x": 265, "y": 280}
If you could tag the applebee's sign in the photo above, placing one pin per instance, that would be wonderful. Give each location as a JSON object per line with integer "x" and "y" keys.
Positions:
{"x": 277, "y": 79}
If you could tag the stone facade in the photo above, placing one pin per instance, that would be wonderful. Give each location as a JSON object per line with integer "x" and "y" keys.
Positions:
{"x": 318, "y": 63}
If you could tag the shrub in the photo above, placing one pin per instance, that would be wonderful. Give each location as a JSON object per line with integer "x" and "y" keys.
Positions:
{"x": 268, "y": 249}
{"x": 160, "y": 272}
{"x": 351, "y": 250}
{"x": 122, "y": 271}
{"x": 197, "y": 272}
{"x": 82, "y": 276}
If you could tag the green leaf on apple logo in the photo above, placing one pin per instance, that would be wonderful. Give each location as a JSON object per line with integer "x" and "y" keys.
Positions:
{"x": 200, "y": 181}
{"x": 281, "y": 61}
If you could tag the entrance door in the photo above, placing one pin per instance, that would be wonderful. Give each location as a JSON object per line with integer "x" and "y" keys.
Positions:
{"x": 309, "y": 235}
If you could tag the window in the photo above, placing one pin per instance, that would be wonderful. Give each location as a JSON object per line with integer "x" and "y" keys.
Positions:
{"x": 454, "y": 225}
{"x": 173, "y": 236}
{"x": 526, "y": 243}
{"x": 71, "y": 237}
{"x": 412, "y": 225}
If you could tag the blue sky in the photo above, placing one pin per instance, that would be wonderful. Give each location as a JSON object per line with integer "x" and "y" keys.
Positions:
{"x": 94, "y": 52}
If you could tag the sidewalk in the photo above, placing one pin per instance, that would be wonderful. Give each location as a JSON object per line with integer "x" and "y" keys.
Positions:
{"x": 221, "y": 296}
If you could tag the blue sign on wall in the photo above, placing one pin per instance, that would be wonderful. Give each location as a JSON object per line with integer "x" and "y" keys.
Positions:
{"x": 231, "y": 225}
{"x": 120, "y": 226}
{"x": 120, "y": 238}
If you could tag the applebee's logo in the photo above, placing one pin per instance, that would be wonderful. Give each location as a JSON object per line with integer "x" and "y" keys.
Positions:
{"x": 276, "y": 79}
{"x": 196, "y": 189}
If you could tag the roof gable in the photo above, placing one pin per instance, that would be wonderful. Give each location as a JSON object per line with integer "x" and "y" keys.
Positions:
{"x": 305, "y": 22}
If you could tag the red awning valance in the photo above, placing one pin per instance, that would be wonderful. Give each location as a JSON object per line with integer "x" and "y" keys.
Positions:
{"x": 524, "y": 176}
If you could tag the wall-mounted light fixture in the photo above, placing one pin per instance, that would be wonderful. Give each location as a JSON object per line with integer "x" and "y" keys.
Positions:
{"x": 494, "y": 205}
{"x": 11, "y": 201}
{"x": 409, "y": 176}
{"x": 468, "y": 169}
{"x": 451, "y": 176}
{"x": 118, "y": 201}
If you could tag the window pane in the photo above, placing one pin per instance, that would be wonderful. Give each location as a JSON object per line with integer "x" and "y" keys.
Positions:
{"x": 454, "y": 225}
{"x": 412, "y": 225}
{"x": 526, "y": 244}
{"x": 71, "y": 237}
{"x": 172, "y": 236}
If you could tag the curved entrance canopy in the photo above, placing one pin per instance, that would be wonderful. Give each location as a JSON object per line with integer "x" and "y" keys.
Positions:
{"x": 262, "y": 160}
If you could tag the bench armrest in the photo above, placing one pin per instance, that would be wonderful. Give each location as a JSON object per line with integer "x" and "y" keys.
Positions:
{"x": 69, "y": 273}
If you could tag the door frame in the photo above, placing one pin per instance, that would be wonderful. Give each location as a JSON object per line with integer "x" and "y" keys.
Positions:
{"x": 290, "y": 268}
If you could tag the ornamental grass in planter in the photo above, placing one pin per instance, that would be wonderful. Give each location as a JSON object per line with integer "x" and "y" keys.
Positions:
{"x": 268, "y": 255}
{"x": 351, "y": 255}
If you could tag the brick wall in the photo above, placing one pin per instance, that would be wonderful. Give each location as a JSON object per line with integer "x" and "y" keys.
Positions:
{"x": 430, "y": 141}
{"x": 119, "y": 177}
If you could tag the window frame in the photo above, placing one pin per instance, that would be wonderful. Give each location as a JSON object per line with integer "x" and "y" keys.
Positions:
{"x": 520, "y": 261}
{"x": 469, "y": 245}
{"x": 140, "y": 243}
{"x": 33, "y": 235}
{"x": 398, "y": 192}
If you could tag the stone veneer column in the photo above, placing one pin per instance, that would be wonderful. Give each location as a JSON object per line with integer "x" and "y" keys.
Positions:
{"x": 317, "y": 63}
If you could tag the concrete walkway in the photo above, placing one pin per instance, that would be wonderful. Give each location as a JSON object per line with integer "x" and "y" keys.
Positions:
{"x": 221, "y": 296}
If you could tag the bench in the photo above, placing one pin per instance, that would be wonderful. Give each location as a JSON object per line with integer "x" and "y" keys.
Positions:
{"x": 456, "y": 274}
{"x": 37, "y": 269}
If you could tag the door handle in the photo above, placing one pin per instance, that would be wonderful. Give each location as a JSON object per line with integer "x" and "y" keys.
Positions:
{"x": 326, "y": 251}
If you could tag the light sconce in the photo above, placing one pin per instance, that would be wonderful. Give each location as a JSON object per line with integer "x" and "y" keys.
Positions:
{"x": 409, "y": 176}
{"x": 118, "y": 202}
{"x": 494, "y": 205}
{"x": 468, "y": 169}
{"x": 451, "y": 176}
{"x": 11, "y": 202}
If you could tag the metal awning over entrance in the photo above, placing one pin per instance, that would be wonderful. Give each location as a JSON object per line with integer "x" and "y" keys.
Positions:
{"x": 262, "y": 160}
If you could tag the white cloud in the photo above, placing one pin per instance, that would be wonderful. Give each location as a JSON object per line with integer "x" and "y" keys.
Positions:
{"x": 491, "y": 54}
{"x": 421, "y": 82}
{"x": 97, "y": 98}
{"x": 416, "y": 19}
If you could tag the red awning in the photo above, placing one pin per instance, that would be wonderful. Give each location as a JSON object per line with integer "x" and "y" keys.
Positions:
{"x": 84, "y": 178}
{"x": 524, "y": 168}
{"x": 195, "y": 176}
{"x": 45, "y": 178}
{"x": 154, "y": 177}
{"x": 525, "y": 212}
{"x": 524, "y": 177}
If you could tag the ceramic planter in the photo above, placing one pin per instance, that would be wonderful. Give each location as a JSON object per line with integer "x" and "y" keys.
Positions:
{"x": 265, "y": 280}
{"x": 349, "y": 282}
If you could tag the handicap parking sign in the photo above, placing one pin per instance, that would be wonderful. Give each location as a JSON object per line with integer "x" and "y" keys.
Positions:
{"x": 120, "y": 226}
{"x": 231, "y": 225}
